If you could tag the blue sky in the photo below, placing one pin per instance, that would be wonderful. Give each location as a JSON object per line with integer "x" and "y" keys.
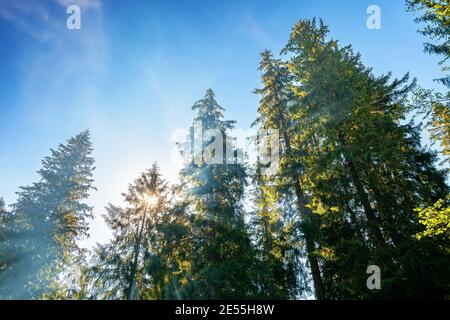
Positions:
{"x": 132, "y": 72}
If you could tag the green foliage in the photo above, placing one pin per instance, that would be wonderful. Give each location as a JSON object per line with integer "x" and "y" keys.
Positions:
{"x": 46, "y": 223}
{"x": 354, "y": 187}
{"x": 279, "y": 271}
{"x": 222, "y": 256}
{"x": 2, "y": 206}
{"x": 435, "y": 219}
{"x": 275, "y": 111}
{"x": 436, "y": 15}
{"x": 361, "y": 167}
{"x": 119, "y": 269}
{"x": 435, "y": 107}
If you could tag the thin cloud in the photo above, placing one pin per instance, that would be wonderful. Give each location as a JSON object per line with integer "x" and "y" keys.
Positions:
{"x": 35, "y": 19}
{"x": 252, "y": 28}
{"x": 30, "y": 17}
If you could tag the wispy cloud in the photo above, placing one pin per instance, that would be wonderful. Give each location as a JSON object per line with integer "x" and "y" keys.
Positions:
{"x": 57, "y": 61}
{"x": 250, "y": 27}
{"x": 37, "y": 19}
{"x": 30, "y": 17}
{"x": 59, "y": 69}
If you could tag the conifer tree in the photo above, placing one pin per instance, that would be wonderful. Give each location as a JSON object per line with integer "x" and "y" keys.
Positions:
{"x": 359, "y": 167}
{"x": 436, "y": 106}
{"x": 118, "y": 268}
{"x": 279, "y": 270}
{"x": 222, "y": 256}
{"x": 436, "y": 15}
{"x": 365, "y": 169}
{"x": 274, "y": 113}
{"x": 47, "y": 220}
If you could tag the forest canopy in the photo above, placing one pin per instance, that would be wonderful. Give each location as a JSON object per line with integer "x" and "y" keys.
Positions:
{"x": 354, "y": 187}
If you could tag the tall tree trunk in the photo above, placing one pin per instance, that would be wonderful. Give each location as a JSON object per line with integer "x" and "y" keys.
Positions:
{"x": 132, "y": 280}
{"x": 305, "y": 212}
{"x": 369, "y": 212}
{"x": 310, "y": 246}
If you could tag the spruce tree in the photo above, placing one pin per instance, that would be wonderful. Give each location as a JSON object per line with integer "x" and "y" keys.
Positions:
{"x": 118, "y": 268}
{"x": 222, "y": 256}
{"x": 436, "y": 15}
{"x": 274, "y": 112}
{"x": 365, "y": 170}
{"x": 435, "y": 105}
{"x": 279, "y": 269}
{"x": 47, "y": 220}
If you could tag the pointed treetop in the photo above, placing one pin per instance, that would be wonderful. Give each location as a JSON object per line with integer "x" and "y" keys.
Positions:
{"x": 210, "y": 113}
{"x": 307, "y": 38}
{"x": 149, "y": 185}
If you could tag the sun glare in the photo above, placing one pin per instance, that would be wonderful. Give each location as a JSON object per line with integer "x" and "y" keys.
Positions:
{"x": 152, "y": 200}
